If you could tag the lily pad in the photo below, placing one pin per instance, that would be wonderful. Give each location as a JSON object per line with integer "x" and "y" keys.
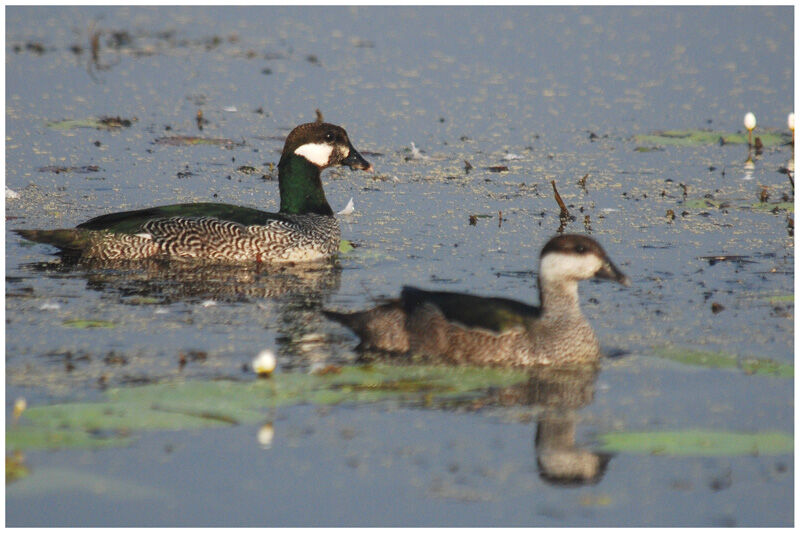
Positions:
{"x": 83, "y": 324}
{"x": 749, "y": 365}
{"x": 345, "y": 246}
{"x": 182, "y": 140}
{"x": 767, "y": 206}
{"x": 102, "y": 123}
{"x": 705, "y": 137}
{"x": 699, "y": 443}
{"x": 187, "y": 405}
{"x": 700, "y": 203}
{"x": 785, "y": 298}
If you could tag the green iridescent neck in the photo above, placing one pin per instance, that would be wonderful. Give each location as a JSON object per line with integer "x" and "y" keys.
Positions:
{"x": 301, "y": 187}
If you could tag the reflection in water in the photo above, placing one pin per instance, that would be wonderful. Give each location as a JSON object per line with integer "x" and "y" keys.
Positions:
{"x": 559, "y": 393}
{"x": 298, "y": 291}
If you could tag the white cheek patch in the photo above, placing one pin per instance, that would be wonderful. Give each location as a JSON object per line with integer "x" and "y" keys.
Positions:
{"x": 319, "y": 154}
{"x": 569, "y": 266}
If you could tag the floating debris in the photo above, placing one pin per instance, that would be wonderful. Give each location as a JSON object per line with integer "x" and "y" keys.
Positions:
{"x": 348, "y": 209}
{"x": 200, "y": 120}
{"x": 208, "y": 303}
{"x": 230, "y": 109}
{"x": 716, "y": 307}
{"x": 264, "y": 363}
{"x": 467, "y": 167}
{"x": 497, "y": 168}
{"x": 511, "y": 157}
{"x": 11, "y": 195}
{"x": 416, "y": 154}
{"x": 50, "y": 306}
{"x": 714, "y": 259}
{"x": 320, "y": 118}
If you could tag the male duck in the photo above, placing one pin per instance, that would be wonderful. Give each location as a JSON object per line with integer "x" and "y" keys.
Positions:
{"x": 466, "y": 329}
{"x": 303, "y": 230}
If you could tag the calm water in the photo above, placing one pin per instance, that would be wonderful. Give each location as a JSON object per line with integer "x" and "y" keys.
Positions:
{"x": 551, "y": 93}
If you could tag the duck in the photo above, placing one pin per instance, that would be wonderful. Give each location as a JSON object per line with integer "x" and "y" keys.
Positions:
{"x": 464, "y": 329}
{"x": 304, "y": 229}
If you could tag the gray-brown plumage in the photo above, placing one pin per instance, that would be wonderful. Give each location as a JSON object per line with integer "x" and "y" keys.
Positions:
{"x": 465, "y": 329}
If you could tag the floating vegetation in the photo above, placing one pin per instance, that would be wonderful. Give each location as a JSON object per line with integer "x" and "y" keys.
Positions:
{"x": 187, "y": 405}
{"x": 184, "y": 140}
{"x": 102, "y": 123}
{"x": 84, "y": 324}
{"x": 77, "y": 170}
{"x": 345, "y": 246}
{"x": 698, "y": 443}
{"x": 709, "y": 359}
{"x": 702, "y": 138}
{"x": 774, "y": 207}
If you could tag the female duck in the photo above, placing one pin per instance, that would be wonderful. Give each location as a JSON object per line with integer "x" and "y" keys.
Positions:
{"x": 303, "y": 230}
{"x": 466, "y": 329}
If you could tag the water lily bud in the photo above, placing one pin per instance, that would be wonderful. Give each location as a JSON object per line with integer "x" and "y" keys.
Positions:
{"x": 749, "y": 121}
{"x": 264, "y": 363}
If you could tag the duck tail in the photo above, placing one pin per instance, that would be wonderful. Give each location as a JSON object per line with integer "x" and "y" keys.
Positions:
{"x": 381, "y": 328}
{"x": 68, "y": 240}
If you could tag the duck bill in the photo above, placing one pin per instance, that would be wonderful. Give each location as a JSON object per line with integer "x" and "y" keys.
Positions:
{"x": 355, "y": 161}
{"x": 610, "y": 271}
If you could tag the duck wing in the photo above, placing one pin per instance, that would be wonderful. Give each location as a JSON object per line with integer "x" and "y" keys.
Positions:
{"x": 132, "y": 221}
{"x": 494, "y": 314}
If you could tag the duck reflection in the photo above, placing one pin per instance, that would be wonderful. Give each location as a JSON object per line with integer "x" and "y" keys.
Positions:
{"x": 556, "y": 394}
{"x": 298, "y": 291}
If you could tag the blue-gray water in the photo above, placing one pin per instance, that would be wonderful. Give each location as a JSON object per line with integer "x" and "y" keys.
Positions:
{"x": 565, "y": 89}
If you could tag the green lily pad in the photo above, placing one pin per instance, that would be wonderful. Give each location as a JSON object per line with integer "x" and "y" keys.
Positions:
{"x": 749, "y": 365}
{"x": 49, "y": 438}
{"x": 766, "y": 206}
{"x": 700, "y": 203}
{"x": 83, "y": 324}
{"x": 183, "y": 140}
{"x": 785, "y": 298}
{"x": 698, "y": 443}
{"x": 345, "y": 246}
{"x": 188, "y": 405}
{"x": 102, "y": 123}
{"x": 69, "y": 481}
{"x": 705, "y": 137}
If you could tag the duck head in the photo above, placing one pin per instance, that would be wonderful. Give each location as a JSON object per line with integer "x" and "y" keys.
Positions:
{"x": 324, "y": 145}
{"x": 572, "y": 258}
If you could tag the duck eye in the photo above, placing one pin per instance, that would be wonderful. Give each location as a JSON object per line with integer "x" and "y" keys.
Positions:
{"x": 580, "y": 248}
{"x": 329, "y": 136}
